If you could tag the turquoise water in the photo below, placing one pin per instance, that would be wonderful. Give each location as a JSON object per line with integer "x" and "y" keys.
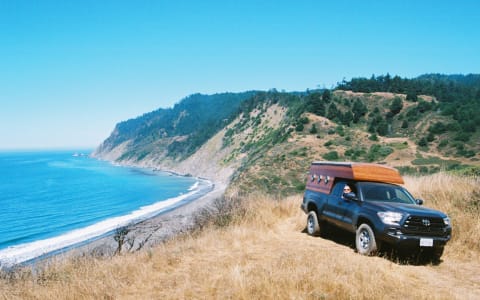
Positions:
{"x": 47, "y": 198}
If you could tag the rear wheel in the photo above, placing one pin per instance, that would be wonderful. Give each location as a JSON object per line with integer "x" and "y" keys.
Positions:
{"x": 312, "y": 224}
{"x": 365, "y": 240}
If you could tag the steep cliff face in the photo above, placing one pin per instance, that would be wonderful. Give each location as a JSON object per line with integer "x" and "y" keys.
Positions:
{"x": 217, "y": 159}
{"x": 174, "y": 133}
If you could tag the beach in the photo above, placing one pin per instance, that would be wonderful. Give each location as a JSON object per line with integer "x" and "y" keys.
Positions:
{"x": 206, "y": 165}
{"x": 150, "y": 232}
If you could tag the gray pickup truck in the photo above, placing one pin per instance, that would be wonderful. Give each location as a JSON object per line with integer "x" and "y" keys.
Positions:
{"x": 376, "y": 208}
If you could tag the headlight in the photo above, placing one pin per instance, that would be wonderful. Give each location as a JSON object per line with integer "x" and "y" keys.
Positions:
{"x": 446, "y": 221}
{"x": 390, "y": 217}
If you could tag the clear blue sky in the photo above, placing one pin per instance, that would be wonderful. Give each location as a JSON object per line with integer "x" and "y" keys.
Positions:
{"x": 70, "y": 70}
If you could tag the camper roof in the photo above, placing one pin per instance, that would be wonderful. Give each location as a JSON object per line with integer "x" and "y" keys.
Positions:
{"x": 356, "y": 171}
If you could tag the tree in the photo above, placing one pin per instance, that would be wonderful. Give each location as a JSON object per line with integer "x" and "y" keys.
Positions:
{"x": 359, "y": 110}
{"x": 438, "y": 128}
{"x": 423, "y": 106}
{"x": 327, "y": 96}
{"x": 315, "y": 104}
{"x": 333, "y": 112}
{"x": 396, "y": 106}
{"x": 412, "y": 96}
{"x": 423, "y": 142}
{"x": 119, "y": 237}
{"x": 382, "y": 127}
{"x": 347, "y": 118}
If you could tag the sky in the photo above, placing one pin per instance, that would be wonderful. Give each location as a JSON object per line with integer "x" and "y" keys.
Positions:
{"x": 71, "y": 70}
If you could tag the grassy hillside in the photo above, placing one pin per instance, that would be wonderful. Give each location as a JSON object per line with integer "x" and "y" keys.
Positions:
{"x": 421, "y": 126}
{"x": 256, "y": 249}
{"x": 276, "y": 155}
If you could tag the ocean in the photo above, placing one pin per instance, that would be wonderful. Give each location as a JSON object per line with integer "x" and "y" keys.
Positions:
{"x": 52, "y": 200}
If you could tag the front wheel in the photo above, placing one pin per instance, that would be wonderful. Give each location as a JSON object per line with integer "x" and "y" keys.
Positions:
{"x": 432, "y": 255}
{"x": 365, "y": 240}
{"x": 312, "y": 224}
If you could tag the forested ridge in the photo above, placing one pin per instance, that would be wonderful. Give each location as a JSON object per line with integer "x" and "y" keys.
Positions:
{"x": 194, "y": 119}
{"x": 457, "y": 96}
{"x": 434, "y": 117}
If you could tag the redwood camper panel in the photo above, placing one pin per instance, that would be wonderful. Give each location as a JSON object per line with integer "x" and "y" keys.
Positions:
{"x": 323, "y": 174}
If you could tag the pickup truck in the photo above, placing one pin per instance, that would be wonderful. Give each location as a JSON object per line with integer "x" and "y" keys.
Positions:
{"x": 378, "y": 210}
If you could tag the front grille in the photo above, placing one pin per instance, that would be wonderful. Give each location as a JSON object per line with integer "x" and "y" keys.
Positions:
{"x": 429, "y": 226}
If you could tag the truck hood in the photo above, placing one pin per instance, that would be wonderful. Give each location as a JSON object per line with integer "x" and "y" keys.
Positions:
{"x": 410, "y": 209}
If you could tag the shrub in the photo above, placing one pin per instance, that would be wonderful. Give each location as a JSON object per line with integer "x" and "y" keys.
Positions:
{"x": 378, "y": 152}
{"x": 332, "y": 155}
{"x": 442, "y": 144}
{"x": 462, "y": 136}
{"x": 422, "y": 142}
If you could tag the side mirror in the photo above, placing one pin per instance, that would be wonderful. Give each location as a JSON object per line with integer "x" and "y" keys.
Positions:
{"x": 350, "y": 196}
{"x": 419, "y": 201}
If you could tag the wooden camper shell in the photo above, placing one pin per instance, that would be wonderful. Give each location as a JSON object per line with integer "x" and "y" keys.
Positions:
{"x": 322, "y": 174}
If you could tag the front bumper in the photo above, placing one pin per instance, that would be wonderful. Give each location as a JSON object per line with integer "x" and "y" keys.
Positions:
{"x": 398, "y": 239}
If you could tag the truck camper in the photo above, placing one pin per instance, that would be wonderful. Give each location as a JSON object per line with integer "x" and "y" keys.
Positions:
{"x": 369, "y": 201}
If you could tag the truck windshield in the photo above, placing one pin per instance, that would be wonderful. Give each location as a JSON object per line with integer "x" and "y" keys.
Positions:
{"x": 385, "y": 193}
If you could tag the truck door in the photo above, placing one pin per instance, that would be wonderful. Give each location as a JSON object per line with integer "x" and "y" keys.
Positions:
{"x": 335, "y": 207}
{"x": 344, "y": 208}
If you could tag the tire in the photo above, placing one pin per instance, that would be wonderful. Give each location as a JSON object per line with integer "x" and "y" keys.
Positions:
{"x": 433, "y": 255}
{"x": 313, "y": 228}
{"x": 437, "y": 254}
{"x": 365, "y": 241}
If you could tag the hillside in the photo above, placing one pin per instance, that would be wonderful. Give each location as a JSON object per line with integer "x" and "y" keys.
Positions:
{"x": 173, "y": 133}
{"x": 266, "y": 140}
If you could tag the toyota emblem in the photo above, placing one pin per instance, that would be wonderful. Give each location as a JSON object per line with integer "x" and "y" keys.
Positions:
{"x": 426, "y": 222}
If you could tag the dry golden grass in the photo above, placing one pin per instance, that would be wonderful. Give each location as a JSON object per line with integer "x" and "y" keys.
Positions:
{"x": 459, "y": 197}
{"x": 263, "y": 254}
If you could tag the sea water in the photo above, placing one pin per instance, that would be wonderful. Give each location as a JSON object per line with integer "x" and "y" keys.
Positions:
{"x": 51, "y": 200}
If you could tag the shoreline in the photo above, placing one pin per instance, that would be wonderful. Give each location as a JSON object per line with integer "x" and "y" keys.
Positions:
{"x": 151, "y": 231}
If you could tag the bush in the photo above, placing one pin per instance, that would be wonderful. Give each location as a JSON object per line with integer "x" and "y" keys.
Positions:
{"x": 422, "y": 142}
{"x": 437, "y": 128}
{"x": 442, "y": 144}
{"x": 332, "y": 155}
{"x": 378, "y": 152}
{"x": 462, "y": 136}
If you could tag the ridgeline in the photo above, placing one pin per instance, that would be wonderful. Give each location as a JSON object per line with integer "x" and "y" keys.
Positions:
{"x": 421, "y": 125}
